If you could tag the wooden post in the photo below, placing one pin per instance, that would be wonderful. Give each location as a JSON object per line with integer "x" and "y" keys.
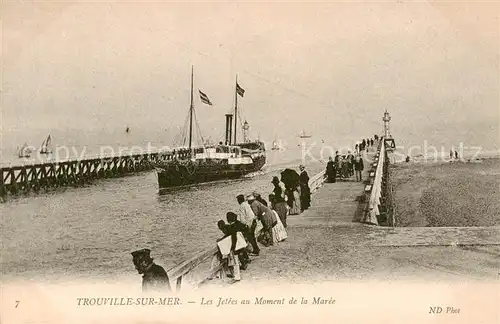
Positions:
{"x": 95, "y": 173}
{"x": 31, "y": 177}
{"x": 43, "y": 175}
{"x": 52, "y": 175}
{"x": 178, "y": 284}
{"x": 23, "y": 178}
{"x": 113, "y": 166}
{"x": 3, "y": 192}
{"x": 81, "y": 172}
{"x": 73, "y": 172}
{"x": 13, "y": 181}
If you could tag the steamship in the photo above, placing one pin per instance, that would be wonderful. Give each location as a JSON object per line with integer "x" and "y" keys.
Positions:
{"x": 223, "y": 161}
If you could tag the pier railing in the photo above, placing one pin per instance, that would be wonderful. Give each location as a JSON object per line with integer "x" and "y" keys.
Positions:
{"x": 24, "y": 178}
{"x": 178, "y": 272}
{"x": 379, "y": 209}
{"x": 372, "y": 210}
{"x": 317, "y": 181}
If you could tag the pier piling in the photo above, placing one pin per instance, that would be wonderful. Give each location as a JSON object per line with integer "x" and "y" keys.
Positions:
{"x": 48, "y": 175}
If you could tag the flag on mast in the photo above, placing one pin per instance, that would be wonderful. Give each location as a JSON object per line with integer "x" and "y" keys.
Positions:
{"x": 239, "y": 90}
{"x": 204, "y": 98}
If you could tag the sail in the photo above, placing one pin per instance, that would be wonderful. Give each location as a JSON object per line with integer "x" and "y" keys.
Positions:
{"x": 43, "y": 147}
{"x": 46, "y": 146}
{"x": 276, "y": 146}
{"x": 24, "y": 151}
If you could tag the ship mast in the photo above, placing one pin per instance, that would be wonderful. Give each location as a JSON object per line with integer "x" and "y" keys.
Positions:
{"x": 191, "y": 112}
{"x": 235, "y": 109}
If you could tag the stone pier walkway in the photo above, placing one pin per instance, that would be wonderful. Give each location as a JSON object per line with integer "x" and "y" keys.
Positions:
{"x": 333, "y": 204}
{"x": 328, "y": 243}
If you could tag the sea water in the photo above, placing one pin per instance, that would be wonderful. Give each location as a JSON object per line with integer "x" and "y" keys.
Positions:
{"x": 90, "y": 231}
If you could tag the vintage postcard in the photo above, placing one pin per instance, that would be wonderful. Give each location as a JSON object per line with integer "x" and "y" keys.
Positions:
{"x": 250, "y": 162}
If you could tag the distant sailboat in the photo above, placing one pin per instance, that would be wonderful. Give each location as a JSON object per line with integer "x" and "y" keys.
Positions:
{"x": 276, "y": 146}
{"x": 46, "y": 146}
{"x": 304, "y": 135}
{"x": 127, "y": 130}
{"x": 24, "y": 151}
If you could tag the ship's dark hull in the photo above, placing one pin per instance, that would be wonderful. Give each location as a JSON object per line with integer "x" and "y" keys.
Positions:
{"x": 187, "y": 173}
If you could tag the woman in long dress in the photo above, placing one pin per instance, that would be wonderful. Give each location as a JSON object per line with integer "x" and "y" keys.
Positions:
{"x": 279, "y": 203}
{"x": 305, "y": 191}
{"x": 295, "y": 208}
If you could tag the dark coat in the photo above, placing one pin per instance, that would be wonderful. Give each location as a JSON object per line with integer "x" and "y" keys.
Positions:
{"x": 305, "y": 191}
{"x": 336, "y": 159}
{"x": 278, "y": 194}
{"x": 304, "y": 179}
{"x": 331, "y": 171}
{"x": 359, "y": 165}
{"x": 330, "y": 167}
{"x": 264, "y": 214}
{"x": 232, "y": 229}
{"x": 155, "y": 279}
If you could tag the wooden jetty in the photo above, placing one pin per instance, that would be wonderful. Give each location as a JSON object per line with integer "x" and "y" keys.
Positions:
{"x": 52, "y": 174}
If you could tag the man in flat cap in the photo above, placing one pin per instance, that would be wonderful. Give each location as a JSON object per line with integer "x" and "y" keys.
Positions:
{"x": 154, "y": 277}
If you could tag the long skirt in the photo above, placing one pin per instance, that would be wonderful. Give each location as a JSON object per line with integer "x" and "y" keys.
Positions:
{"x": 295, "y": 210}
{"x": 281, "y": 210}
{"x": 331, "y": 175}
{"x": 279, "y": 231}
{"x": 305, "y": 197}
{"x": 265, "y": 237}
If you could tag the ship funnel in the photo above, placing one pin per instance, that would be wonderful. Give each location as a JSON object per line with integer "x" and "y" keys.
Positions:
{"x": 229, "y": 128}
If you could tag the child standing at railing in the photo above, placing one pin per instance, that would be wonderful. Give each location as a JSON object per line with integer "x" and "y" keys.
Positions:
{"x": 238, "y": 231}
{"x": 231, "y": 245}
{"x": 219, "y": 258}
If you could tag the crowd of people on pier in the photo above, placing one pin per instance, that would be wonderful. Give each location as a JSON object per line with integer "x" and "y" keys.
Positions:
{"x": 290, "y": 195}
{"x": 343, "y": 167}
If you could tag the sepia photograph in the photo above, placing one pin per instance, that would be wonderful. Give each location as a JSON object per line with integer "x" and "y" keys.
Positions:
{"x": 249, "y": 162}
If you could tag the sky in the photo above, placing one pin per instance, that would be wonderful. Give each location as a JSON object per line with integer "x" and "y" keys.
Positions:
{"x": 84, "y": 69}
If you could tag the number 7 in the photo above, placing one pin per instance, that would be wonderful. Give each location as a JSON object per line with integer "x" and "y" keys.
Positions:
{"x": 17, "y": 303}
